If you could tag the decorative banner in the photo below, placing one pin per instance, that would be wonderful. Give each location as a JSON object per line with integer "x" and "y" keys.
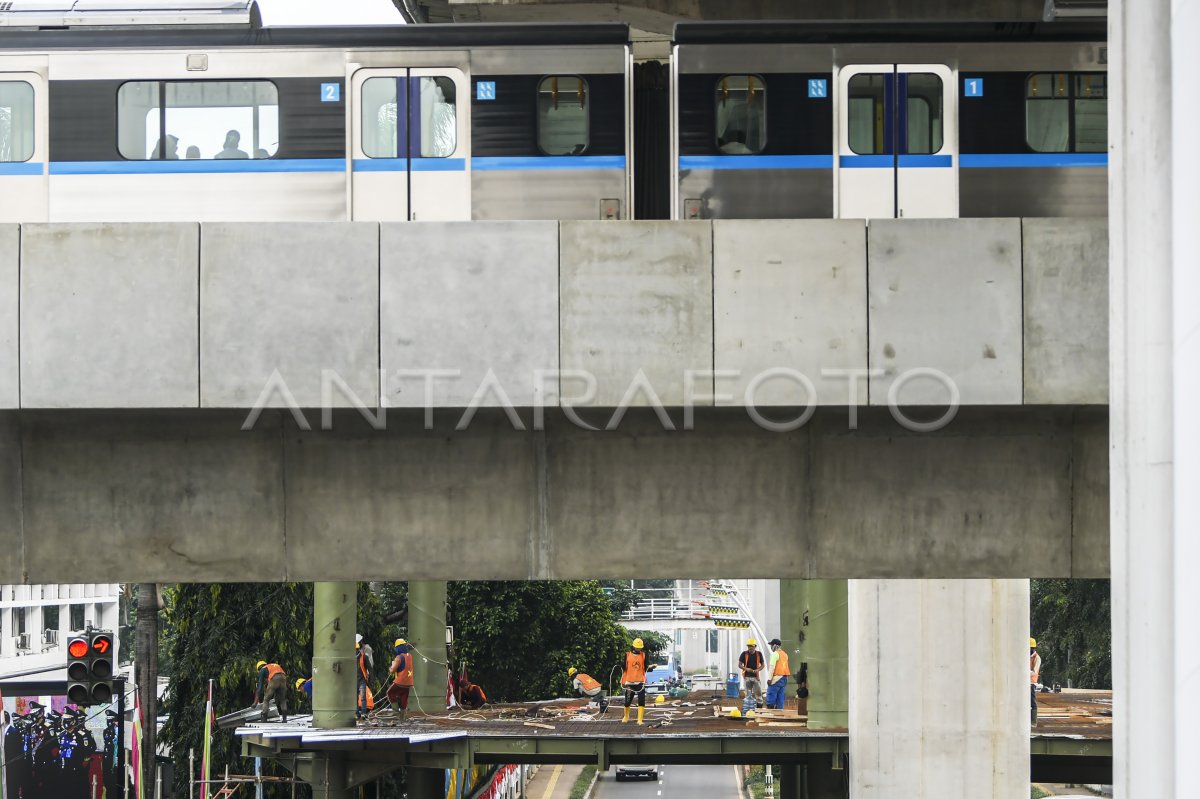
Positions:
{"x": 135, "y": 755}
{"x": 206, "y": 762}
{"x": 732, "y": 624}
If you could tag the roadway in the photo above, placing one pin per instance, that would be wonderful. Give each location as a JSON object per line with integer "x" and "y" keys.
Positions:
{"x": 674, "y": 782}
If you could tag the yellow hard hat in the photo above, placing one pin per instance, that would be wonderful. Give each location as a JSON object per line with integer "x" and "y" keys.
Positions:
{"x": 299, "y": 683}
{"x": 752, "y": 642}
{"x": 735, "y": 713}
{"x": 749, "y": 714}
{"x": 400, "y": 642}
{"x": 1033, "y": 643}
{"x": 660, "y": 700}
{"x": 637, "y": 643}
{"x": 571, "y": 672}
{"x": 260, "y": 664}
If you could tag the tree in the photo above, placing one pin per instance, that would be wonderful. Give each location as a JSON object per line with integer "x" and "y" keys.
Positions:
{"x": 1072, "y": 622}
{"x": 147, "y": 675}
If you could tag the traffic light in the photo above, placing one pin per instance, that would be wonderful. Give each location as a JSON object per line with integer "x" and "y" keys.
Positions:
{"x": 90, "y": 668}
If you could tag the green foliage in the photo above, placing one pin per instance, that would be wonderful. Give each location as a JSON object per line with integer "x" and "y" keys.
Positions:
{"x": 1072, "y": 622}
{"x": 621, "y": 596}
{"x": 519, "y": 638}
{"x": 394, "y": 599}
{"x": 1037, "y": 793}
{"x": 657, "y": 646}
{"x": 583, "y": 782}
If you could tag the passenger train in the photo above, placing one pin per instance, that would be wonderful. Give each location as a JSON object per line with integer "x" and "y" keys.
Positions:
{"x": 205, "y": 115}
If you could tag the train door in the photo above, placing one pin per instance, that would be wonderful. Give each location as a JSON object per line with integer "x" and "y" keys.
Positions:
{"x": 410, "y": 145}
{"x": 897, "y": 141}
{"x": 24, "y": 147}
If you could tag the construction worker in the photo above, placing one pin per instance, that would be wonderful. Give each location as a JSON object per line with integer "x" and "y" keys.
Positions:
{"x": 272, "y": 684}
{"x": 1035, "y": 676}
{"x": 304, "y": 686}
{"x": 751, "y": 663}
{"x": 470, "y": 695}
{"x": 633, "y": 680}
{"x": 780, "y": 670}
{"x": 361, "y": 659}
{"x": 402, "y": 667}
{"x": 587, "y": 686}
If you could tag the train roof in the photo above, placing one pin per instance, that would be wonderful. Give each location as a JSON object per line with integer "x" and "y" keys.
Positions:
{"x": 411, "y": 36}
{"x": 797, "y": 32}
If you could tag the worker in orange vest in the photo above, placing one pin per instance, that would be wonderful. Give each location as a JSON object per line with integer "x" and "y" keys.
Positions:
{"x": 780, "y": 671}
{"x": 470, "y": 695}
{"x": 402, "y": 667}
{"x": 272, "y": 684}
{"x": 1035, "y": 676}
{"x": 364, "y": 661}
{"x": 586, "y": 685}
{"x": 633, "y": 680}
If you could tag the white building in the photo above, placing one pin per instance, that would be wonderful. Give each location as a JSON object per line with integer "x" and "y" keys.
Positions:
{"x": 36, "y": 621}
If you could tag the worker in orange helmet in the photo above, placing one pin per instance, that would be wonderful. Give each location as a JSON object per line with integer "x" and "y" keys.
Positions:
{"x": 633, "y": 680}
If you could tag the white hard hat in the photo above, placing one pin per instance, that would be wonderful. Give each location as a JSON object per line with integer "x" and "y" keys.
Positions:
{"x": 357, "y": 638}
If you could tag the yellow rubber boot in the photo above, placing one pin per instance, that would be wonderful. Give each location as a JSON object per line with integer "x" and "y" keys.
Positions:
{"x": 641, "y": 716}
{"x": 625, "y": 718}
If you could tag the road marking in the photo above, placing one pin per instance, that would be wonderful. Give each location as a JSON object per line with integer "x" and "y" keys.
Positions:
{"x": 553, "y": 781}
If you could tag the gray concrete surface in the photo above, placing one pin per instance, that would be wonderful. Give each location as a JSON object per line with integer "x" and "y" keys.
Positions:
{"x": 789, "y": 294}
{"x": 674, "y": 782}
{"x": 10, "y": 317}
{"x": 293, "y": 298}
{"x": 186, "y": 496}
{"x": 636, "y": 296}
{"x": 109, "y": 315}
{"x": 945, "y": 294}
{"x": 1066, "y": 311}
{"x": 468, "y": 296}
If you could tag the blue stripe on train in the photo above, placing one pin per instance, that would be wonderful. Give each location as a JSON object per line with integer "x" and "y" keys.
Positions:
{"x": 1044, "y": 160}
{"x": 971, "y": 160}
{"x": 184, "y": 167}
{"x": 23, "y": 168}
{"x": 538, "y": 162}
{"x": 756, "y": 162}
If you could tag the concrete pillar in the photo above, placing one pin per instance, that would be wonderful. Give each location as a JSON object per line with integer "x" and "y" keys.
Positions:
{"x": 427, "y": 632}
{"x": 335, "y": 615}
{"x": 827, "y": 655}
{"x": 330, "y": 772}
{"x": 1153, "y": 563}
{"x": 425, "y": 783}
{"x": 939, "y": 700}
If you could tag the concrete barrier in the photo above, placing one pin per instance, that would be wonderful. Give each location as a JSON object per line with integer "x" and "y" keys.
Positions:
{"x": 298, "y": 299}
{"x": 10, "y": 319}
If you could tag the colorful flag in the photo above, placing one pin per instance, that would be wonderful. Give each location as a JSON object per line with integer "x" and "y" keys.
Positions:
{"x": 135, "y": 754}
{"x": 206, "y": 762}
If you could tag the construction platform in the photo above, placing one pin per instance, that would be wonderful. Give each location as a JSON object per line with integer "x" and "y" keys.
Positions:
{"x": 1073, "y": 737}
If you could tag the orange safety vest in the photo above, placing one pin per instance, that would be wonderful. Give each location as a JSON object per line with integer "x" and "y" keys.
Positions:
{"x": 781, "y": 665}
{"x": 362, "y": 665}
{"x": 273, "y": 669}
{"x": 635, "y": 667}
{"x": 404, "y": 676}
{"x": 1035, "y": 668}
{"x": 588, "y": 683}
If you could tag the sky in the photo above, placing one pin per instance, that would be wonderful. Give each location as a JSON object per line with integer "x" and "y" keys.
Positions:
{"x": 329, "y": 12}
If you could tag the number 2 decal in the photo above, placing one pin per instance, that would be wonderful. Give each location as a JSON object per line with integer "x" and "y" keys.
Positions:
{"x": 331, "y": 92}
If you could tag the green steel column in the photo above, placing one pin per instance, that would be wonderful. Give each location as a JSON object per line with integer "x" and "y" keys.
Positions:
{"x": 828, "y": 655}
{"x": 788, "y": 785}
{"x": 335, "y": 615}
{"x": 425, "y": 783}
{"x": 427, "y": 632}
{"x": 330, "y": 772}
{"x": 793, "y": 602}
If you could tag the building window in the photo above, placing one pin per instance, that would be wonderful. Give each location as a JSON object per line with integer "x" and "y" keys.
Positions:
{"x": 77, "y": 617}
{"x": 16, "y": 121}
{"x": 1066, "y": 112}
{"x": 562, "y": 103}
{"x": 433, "y": 117}
{"x": 203, "y": 120}
{"x": 50, "y": 617}
{"x": 741, "y": 109}
{"x": 713, "y": 644}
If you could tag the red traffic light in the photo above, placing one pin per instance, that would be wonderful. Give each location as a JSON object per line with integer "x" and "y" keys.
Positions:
{"x": 78, "y": 648}
{"x": 101, "y": 644}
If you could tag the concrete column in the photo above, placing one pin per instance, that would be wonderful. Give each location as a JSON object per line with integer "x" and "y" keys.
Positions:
{"x": 427, "y": 632}
{"x": 939, "y": 701}
{"x": 335, "y": 615}
{"x": 827, "y": 655}
{"x": 425, "y": 783}
{"x": 330, "y": 772}
{"x": 1145, "y": 535}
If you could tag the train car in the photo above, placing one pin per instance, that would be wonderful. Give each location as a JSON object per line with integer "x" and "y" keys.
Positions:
{"x": 804, "y": 120}
{"x": 202, "y": 114}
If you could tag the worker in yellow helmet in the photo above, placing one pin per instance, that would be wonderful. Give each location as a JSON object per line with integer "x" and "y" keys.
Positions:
{"x": 1035, "y": 676}
{"x": 633, "y": 680}
{"x": 751, "y": 663}
{"x": 402, "y": 683}
{"x": 272, "y": 684}
{"x": 586, "y": 685}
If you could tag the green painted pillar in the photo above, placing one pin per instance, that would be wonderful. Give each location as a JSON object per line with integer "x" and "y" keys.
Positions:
{"x": 335, "y": 615}
{"x": 793, "y": 602}
{"x": 427, "y": 632}
{"x": 788, "y": 785}
{"x": 424, "y": 783}
{"x": 828, "y": 655}
{"x": 329, "y": 777}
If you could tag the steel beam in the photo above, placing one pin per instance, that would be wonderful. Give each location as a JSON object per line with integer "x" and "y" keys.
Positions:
{"x": 335, "y": 614}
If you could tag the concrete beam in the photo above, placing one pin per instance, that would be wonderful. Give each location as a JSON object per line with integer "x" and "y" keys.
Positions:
{"x": 191, "y": 496}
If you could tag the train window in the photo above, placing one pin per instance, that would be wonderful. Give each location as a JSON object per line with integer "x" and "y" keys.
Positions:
{"x": 1091, "y": 113}
{"x": 16, "y": 121}
{"x": 1066, "y": 113}
{"x": 924, "y": 108}
{"x": 211, "y": 120}
{"x": 741, "y": 114}
{"x": 435, "y": 116}
{"x": 866, "y": 113}
{"x": 563, "y": 115}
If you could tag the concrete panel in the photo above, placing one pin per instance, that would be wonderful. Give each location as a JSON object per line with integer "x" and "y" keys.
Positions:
{"x": 731, "y": 496}
{"x": 12, "y": 565}
{"x": 890, "y": 503}
{"x": 790, "y": 294}
{"x": 636, "y": 296}
{"x": 945, "y": 294}
{"x": 297, "y": 299}
{"x": 468, "y": 296}
{"x": 157, "y": 497}
{"x": 10, "y": 316}
{"x": 109, "y": 316}
{"x": 1066, "y": 311}
{"x": 410, "y": 503}
{"x": 1089, "y": 495}
{"x": 939, "y": 688}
